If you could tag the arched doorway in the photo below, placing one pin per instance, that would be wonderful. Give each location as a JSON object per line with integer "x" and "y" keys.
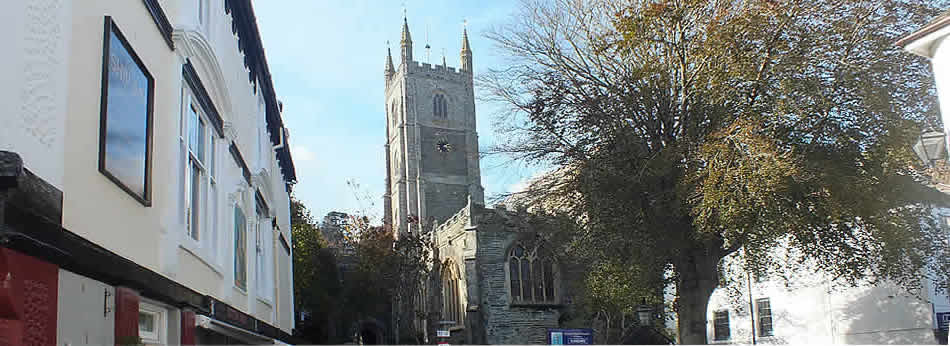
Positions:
{"x": 371, "y": 333}
{"x": 368, "y": 336}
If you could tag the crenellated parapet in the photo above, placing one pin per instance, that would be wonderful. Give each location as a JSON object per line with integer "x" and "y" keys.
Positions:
{"x": 416, "y": 68}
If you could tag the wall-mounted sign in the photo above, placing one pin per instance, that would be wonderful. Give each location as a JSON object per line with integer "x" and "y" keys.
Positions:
{"x": 943, "y": 320}
{"x": 584, "y": 336}
{"x": 125, "y": 116}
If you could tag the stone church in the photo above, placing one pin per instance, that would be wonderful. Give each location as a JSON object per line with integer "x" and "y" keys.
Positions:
{"x": 500, "y": 283}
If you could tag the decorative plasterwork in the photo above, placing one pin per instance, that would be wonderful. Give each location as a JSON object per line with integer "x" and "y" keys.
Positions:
{"x": 230, "y": 131}
{"x": 261, "y": 178}
{"x": 193, "y": 46}
{"x": 237, "y": 196}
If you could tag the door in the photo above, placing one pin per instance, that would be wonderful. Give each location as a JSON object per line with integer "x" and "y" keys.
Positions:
{"x": 85, "y": 313}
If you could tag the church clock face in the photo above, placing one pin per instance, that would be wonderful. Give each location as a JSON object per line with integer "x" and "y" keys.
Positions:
{"x": 443, "y": 145}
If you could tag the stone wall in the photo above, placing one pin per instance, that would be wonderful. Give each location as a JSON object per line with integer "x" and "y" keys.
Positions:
{"x": 479, "y": 239}
{"x": 443, "y": 151}
{"x": 504, "y": 323}
{"x": 444, "y": 200}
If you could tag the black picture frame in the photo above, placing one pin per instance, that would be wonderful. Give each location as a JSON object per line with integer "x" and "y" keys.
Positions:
{"x": 112, "y": 30}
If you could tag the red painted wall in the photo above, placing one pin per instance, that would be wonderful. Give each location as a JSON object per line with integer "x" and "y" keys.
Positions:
{"x": 28, "y": 292}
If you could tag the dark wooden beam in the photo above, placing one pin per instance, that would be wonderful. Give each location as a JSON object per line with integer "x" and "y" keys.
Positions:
{"x": 161, "y": 21}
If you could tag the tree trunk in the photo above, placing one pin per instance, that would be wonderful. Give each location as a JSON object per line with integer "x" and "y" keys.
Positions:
{"x": 699, "y": 276}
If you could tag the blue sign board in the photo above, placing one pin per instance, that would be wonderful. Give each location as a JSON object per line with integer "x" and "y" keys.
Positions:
{"x": 583, "y": 336}
{"x": 943, "y": 320}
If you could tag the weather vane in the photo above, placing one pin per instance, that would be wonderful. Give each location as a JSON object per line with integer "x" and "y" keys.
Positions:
{"x": 427, "y": 42}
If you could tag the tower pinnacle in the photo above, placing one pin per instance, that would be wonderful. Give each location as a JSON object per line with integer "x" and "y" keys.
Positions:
{"x": 389, "y": 61}
{"x": 406, "y": 41}
{"x": 465, "y": 56}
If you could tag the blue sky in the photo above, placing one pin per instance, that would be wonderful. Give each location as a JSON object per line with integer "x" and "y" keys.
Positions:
{"x": 326, "y": 59}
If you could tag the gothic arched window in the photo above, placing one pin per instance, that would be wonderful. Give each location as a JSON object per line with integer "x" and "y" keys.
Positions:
{"x": 451, "y": 300}
{"x": 532, "y": 275}
{"x": 439, "y": 108}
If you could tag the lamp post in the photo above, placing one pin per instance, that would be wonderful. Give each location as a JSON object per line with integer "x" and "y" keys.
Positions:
{"x": 644, "y": 313}
{"x": 646, "y": 333}
{"x": 930, "y": 147}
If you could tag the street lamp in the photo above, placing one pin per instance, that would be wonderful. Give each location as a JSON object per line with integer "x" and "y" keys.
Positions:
{"x": 644, "y": 313}
{"x": 930, "y": 147}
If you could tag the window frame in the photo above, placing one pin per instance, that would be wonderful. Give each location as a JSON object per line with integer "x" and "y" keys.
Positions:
{"x": 717, "y": 323}
{"x": 263, "y": 257}
{"x": 532, "y": 254}
{"x": 111, "y": 29}
{"x": 440, "y": 106}
{"x": 263, "y": 139}
{"x": 199, "y": 144}
{"x": 452, "y": 304}
{"x": 160, "y": 316}
{"x": 763, "y": 314}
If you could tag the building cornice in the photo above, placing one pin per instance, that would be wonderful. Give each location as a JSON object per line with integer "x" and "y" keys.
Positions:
{"x": 244, "y": 25}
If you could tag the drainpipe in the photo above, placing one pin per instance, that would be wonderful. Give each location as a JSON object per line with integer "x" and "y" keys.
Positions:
{"x": 751, "y": 307}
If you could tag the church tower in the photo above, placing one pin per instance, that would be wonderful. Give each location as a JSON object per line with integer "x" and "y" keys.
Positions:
{"x": 431, "y": 145}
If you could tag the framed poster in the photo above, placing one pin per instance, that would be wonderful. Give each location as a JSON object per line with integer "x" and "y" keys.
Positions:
{"x": 125, "y": 118}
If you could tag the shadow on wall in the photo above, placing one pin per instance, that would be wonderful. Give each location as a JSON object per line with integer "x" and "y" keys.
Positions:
{"x": 883, "y": 314}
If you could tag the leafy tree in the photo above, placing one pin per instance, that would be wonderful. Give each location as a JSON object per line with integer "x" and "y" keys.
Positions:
{"x": 685, "y": 130}
{"x": 317, "y": 289}
{"x": 387, "y": 277}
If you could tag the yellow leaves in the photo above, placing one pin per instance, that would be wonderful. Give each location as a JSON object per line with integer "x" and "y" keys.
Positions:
{"x": 742, "y": 173}
{"x": 656, "y": 8}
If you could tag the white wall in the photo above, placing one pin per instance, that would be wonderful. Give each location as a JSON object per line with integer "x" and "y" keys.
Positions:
{"x": 940, "y": 61}
{"x": 50, "y": 112}
{"x": 35, "y": 66}
{"x": 808, "y": 307}
{"x": 85, "y": 312}
{"x": 94, "y": 207}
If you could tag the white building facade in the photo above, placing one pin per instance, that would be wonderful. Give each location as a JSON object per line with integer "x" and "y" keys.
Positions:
{"x": 147, "y": 176}
{"x": 803, "y": 305}
{"x": 930, "y": 42}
